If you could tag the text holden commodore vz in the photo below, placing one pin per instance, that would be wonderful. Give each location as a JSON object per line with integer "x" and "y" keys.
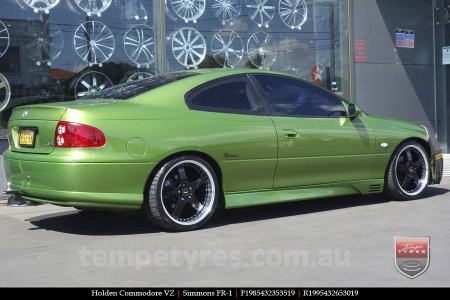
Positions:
{"x": 178, "y": 144}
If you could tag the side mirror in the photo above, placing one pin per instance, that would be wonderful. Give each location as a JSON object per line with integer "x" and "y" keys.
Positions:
{"x": 353, "y": 111}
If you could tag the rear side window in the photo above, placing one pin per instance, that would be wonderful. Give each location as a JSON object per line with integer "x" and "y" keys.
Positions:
{"x": 132, "y": 89}
{"x": 228, "y": 96}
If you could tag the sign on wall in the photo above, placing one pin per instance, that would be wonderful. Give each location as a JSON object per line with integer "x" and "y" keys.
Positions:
{"x": 446, "y": 55}
{"x": 405, "y": 38}
{"x": 360, "y": 51}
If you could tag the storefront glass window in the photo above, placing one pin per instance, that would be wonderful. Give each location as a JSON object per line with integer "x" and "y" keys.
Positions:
{"x": 62, "y": 50}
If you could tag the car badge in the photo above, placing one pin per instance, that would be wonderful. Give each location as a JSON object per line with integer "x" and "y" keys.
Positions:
{"x": 25, "y": 114}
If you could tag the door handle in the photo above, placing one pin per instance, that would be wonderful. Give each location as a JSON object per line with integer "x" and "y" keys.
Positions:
{"x": 291, "y": 134}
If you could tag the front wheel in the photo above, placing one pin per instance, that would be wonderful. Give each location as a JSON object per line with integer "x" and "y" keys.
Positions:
{"x": 183, "y": 194}
{"x": 408, "y": 172}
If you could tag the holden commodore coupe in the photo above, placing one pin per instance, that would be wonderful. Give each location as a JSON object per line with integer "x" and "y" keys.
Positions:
{"x": 179, "y": 144}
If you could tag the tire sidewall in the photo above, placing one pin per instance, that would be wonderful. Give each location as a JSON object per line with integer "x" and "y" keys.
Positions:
{"x": 158, "y": 181}
{"x": 400, "y": 194}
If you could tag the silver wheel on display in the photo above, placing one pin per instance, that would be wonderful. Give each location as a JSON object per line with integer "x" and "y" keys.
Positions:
{"x": 139, "y": 76}
{"x": 261, "y": 50}
{"x": 41, "y": 5}
{"x": 93, "y": 7}
{"x": 409, "y": 172}
{"x": 139, "y": 45}
{"x": 42, "y": 87}
{"x": 227, "y": 10}
{"x": 5, "y": 92}
{"x": 4, "y": 39}
{"x": 293, "y": 13}
{"x": 261, "y": 11}
{"x": 227, "y": 48}
{"x": 94, "y": 42}
{"x": 183, "y": 194}
{"x": 91, "y": 82}
{"x": 45, "y": 42}
{"x": 188, "y": 10}
{"x": 189, "y": 47}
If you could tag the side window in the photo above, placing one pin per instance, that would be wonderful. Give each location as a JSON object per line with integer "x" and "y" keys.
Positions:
{"x": 230, "y": 96}
{"x": 291, "y": 97}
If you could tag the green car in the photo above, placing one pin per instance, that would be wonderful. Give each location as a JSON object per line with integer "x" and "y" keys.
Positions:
{"x": 179, "y": 144}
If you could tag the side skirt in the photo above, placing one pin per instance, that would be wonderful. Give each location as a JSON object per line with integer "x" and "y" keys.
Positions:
{"x": 235, "y": 200}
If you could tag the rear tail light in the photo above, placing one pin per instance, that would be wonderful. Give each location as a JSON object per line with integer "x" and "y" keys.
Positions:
{"x": 73, "y": 135}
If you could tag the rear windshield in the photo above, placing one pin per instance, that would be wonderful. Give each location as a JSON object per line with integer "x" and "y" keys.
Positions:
{"x": 132, "y": 89}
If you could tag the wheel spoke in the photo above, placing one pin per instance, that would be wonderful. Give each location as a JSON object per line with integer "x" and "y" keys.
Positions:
{"x": 197, "y": 184}
{"x": 409, "y": 155}
{"x": 182, "y": 173}
{"x": 406, "y": 182}
{"x": 179, "y": 208}
{"x": 195, "y": 203}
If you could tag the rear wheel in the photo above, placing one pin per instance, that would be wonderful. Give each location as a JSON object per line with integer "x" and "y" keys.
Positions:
{"x": 183, "y": 194}
{"x": 409, "y": 172}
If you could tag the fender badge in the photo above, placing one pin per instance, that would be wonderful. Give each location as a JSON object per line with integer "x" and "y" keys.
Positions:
{"x": 384, "y": 145}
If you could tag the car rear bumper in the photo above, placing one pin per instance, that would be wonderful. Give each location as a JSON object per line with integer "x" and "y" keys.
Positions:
{"x": 114, "y": 185}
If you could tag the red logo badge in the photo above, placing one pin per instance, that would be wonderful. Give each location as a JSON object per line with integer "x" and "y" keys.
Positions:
{"x": 412, "y": 255}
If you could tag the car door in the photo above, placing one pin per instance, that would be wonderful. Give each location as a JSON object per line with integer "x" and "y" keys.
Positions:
{"x": 317, "y": 143}
{"x": 240, "y": 134}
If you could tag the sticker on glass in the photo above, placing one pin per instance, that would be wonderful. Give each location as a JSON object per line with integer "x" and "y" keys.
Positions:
{"x": 261, "y": 11}
{"x": 262, "y": 50}
{"x": 94, "y": 42}
{"x": 227, "y": 48}
{"x": 227, "y": 10}
{"x": 189, "y": 47}
{"x": 293, "y": 13}
{"x": 139, "y": 45}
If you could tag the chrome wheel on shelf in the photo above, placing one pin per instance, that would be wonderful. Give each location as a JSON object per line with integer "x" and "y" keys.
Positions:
{"x": 262, "y": 50}
{"x": 227, "y": 10}
{"x": 189, "y": 47}
{"x": 94, "y": 42}
{"x": 44, "y": 41}
{"x": 4, "y": 39}
{"x": 227, "y": 48}
{"x": 188, "y": 10}
{"x": 41, "y": 5}
{"x": 139, "y": 45}
{"x": 261, "y": 11}
{"x": 5, "y": 92}
{"x": 91, "y": 82}
{"x": 293, "y": 13}
{"x": 93, "y": 7}
{"x": 139, "y": 76}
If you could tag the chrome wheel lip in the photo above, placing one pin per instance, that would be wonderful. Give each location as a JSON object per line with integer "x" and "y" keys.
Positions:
{"x": 207, "y": 206}
{"x": 425, "y": 175}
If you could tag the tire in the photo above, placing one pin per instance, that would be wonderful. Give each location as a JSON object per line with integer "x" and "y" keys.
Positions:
{"x": 408, "y": 173}
{"x": 182, "y": 195}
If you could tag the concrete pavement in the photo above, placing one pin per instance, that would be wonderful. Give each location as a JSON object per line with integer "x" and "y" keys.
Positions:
{"x": 345, "y": 241}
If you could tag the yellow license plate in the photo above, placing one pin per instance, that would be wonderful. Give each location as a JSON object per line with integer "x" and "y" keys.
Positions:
{"x": 26, "y": 137}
